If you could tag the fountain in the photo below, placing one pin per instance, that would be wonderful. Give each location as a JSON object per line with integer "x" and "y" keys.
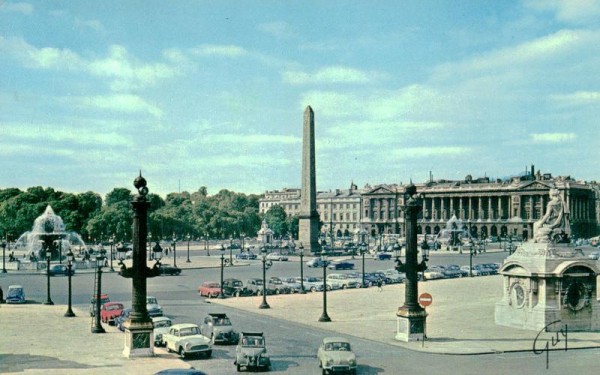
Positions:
{"x": 48, "y": 232}
{"x": 454, "y": 235}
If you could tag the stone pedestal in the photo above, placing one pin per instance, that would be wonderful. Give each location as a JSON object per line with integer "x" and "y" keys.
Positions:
{"x": 411, "y": 325}
{"x": 546, "y": 283}
{"x": 139, "y": 341}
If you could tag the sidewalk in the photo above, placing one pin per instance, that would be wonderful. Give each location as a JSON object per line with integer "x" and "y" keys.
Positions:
{"x": 38, "y": 339}
{"x": 460, "y": 321}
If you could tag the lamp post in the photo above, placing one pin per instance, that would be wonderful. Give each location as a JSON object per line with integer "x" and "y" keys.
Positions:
{"x": 97, "y": 328}
{"x": 3, "y": 255}
{"x": 411, "y": 317}
{"x": 70, "y": 259}
{"x": 324, "y": 317}
{"x": 149, "y": 246}
{"x": 221, "y": 295}
{"x": 174, "y": 250}
{"x": 302, "y": 291}
{"x": 264, "y": 304}
{"x": 363, "y": 250}
{"x": 206, "y": 245}
{"x": 510, "y": 245}
{"x": 231, "y": 255}
{"x": 48, "y": 256}
{"x": 112, "y": 245}
{"x": 188, "y": 237}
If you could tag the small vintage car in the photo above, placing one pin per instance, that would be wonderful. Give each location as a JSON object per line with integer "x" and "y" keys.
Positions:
{"x": 218, "y": 328}
{"x": 103, "y": 299}
{"x": 161, "y": 324}
{"x": 187, "y": 340}
{"x": 110, "y": 311}
{"x": 235, "y": 288}
{"x": 59, "y": 269}
{"x": 209, "y": 289}
{"x": 277, "y": 257}
{"x": 340, "y": 265}
{"x": 154, "y": 309}
{"x": 167, "y": 269}
{"x": 251, "y": 352}
{"x": 335, "y": 355}
{"x": 15, "y": 294}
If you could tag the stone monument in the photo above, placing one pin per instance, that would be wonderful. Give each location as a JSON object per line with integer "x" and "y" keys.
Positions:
{"x": 309, "y": 217}
{"x": 548, "y": 282}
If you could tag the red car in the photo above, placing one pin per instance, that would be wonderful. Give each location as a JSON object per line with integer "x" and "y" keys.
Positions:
{"x": 209, "y": 289}
{"x": 110, "y": 311}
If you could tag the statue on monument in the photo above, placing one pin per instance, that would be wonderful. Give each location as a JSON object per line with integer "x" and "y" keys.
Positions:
{"x": 554, "y": 225}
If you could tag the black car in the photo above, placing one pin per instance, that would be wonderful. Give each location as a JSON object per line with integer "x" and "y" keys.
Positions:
{"x": 59, "y": 269}
{"x": 235, "y": 288}
{"x": 167, "y": 269}
{"x": 340, "y": 265}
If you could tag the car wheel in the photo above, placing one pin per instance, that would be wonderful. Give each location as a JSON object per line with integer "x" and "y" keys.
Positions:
{"x": 313, "y": 289}
{"x": 208, "y": 353}
{"x": 277, "y": 291}
{"x": 239, "y": 368}
{"x": 237, "y": 293}
{"x": 343, "y": 286}
{"x": 182, "y": 352}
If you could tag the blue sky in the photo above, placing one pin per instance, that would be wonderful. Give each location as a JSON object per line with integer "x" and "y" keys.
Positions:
{"x": 212, "y": 93}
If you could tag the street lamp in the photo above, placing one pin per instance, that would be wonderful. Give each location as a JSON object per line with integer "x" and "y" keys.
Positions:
{"x": 174, "y": 250}
{"x": 302, "y": 291}
{"x": 112, "y": 245}
{"x": 188, "y": 237}
{"x": 97, "y": 328}
{"x": 363, "y": 250}
{"x": 471, "y": 258}
{"x": 264, "y": 304}
{"x": 222, "y": 261}
{"x": 324, "y": 317}
{"x": 3, "y": 255}
{"x": 70, "y": 259}
{"x": 48, "y": 256}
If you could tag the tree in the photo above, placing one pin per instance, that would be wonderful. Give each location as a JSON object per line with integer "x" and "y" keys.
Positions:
{"x": 277, "y": 220}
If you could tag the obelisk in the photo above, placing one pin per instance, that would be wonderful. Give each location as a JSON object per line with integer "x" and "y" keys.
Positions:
{"x": 309, "y": 217}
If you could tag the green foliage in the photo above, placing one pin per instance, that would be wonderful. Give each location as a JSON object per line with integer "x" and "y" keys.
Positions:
{"x": 224, "y": 215}
{"x": 277, "y": 220}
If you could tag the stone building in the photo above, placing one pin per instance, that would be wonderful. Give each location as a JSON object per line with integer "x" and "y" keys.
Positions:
{"x": 489, "y": 208}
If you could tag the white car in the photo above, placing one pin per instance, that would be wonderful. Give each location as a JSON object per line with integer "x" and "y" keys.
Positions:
{"x": 277, "y": 256}
{"x": 162, "y": 324}
{"x": 344, "y": 281}
{"x": 432, "y": 274}
{"x": 187, "y": 340}
{"x": 595, "y": 255}
{"x": 335, "y": 355}
{"x": 312, "y": 284}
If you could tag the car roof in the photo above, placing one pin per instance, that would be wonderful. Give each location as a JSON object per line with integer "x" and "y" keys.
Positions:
{"x": 252, "y": 334}
{"x": 15, "y": 286}
{"x": 160, "y": 318}
{"x": 113, "y": 303}
{"x": 218, "y": 315}
{"x": 184, "y": 325}
{"x": 335, "y": 339}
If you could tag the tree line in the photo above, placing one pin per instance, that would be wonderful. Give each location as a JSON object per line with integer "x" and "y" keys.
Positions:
{"x": 225, "y": 215}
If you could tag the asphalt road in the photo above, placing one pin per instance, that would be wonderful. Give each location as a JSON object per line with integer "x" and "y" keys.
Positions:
{"x": 293, "y": 347}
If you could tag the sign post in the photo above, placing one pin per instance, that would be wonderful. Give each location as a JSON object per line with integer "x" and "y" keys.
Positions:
{"x": 425, "y": 299}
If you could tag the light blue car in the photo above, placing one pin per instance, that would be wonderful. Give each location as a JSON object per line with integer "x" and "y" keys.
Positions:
{"x": 15, "y": 294}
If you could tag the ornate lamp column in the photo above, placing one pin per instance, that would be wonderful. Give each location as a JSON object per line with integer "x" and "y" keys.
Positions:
{"x": 188, "y": 248}
{"x": 3, "y": 259}
{"x": 174, "y": 250}
{"x": 139, "y": 340}
{"x": 221, "y": 295}
{"x": 70, "y": 259}
{"x": 324, "y": 317}
{"x": 264, "y": 304}
{"x": 112, "y": 245}
{"x": 97, "y": 328}
{"x": 302, "y": 291}
{"x": 411, "y": 317}
{"x": 48, "y": 256}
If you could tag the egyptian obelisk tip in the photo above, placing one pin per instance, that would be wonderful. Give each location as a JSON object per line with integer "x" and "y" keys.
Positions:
{"x": 308, "y": 109}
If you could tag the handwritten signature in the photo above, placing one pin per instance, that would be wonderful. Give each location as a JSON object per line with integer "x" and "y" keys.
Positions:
{"x": 543, "y": 344}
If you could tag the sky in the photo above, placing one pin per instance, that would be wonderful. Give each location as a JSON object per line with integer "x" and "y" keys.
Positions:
{"x": 212, "y": 93}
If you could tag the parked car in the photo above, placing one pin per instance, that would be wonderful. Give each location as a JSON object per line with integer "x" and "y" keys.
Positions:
{"x": 433, "y": 273}
{"x": 450, "y": 272}
{"x": 456, "y": 268}
{"x": 251, "y": 352}
{"x": 474, "y": 271}
{"x": 395, "y": 276}
{"x": 247, "y": 255}
{"x": 493, "y": 267}
{"x": 317, "y": 262}
{"x": 15, "y": 294}
{"x": 335, "y": 355}
{"x": 276, "y": 286}
{"x": 345, "y": 281}
{"x": 256, "y": 287}
{"x": 340, "y": 265}
{"x": 120, "y": 320}
{"x": 209, "y": 289}
{"x": 59, "y": 269}
{"x": 295, "y": 286}
{"x": 154, "y": 309}
{"x": 484, "y": 269}
{"x": 382, "y": 256}
{"x": 161, "y": 324}
{"x": 167, "y": 269}
{"x": 219, "y": 329}
{"x": 312, "y": 284}
{"x": 103, "y": 299}
{"x": 110, "y": 311}
{"x": 594, "y": 255}
{"x": 277, "y": 256}
{"x": 235, "y": 287}
{"x": 187, "y": 340}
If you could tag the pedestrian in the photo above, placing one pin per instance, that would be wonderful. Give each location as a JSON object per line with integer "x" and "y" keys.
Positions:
{"x": 379, "y": 285}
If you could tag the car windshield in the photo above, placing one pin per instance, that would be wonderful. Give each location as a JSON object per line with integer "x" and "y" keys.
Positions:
{"x": 212, "y": 285}
{"x": 222, "y": 322}
{"x": 151, "y": 300}
{"x": 162, "y": 323}
{"x": 312, "y": 279}
{"x": 114, "y": 307}
{"x": 253, "y": 341}
{"x": 15, "y": 292}
{"x": 337, "y": 346}
{"x": 236, "y": 283}
{"x": 276, "y": 282}
{"x": 189, "y": 331}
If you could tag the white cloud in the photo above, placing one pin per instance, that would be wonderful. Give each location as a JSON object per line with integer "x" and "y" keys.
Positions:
{"x": 120, "y": 103}
{"x": 578, "y": 98}
{"x": 423, "y": 152}
{"x": 251, "y": 139}
{"x": 20, "y": 134}
{"x": 553, "y": 137}
{"x": 329, "y": 75}
{"x": 24, "y": 8}
{"x": 576, "y": 11}
{"x": 218, "y": 50}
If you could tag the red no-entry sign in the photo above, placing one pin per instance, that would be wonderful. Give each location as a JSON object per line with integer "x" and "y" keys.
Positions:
{"x": 425, "y": 299}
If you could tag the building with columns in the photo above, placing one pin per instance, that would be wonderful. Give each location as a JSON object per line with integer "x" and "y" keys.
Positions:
{"x": 488, "y": 208}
